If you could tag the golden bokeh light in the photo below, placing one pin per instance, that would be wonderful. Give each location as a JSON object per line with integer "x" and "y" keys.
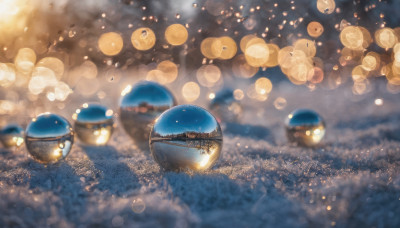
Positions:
{"x": 55, "y": 64}
{"x": 385, "y": 38}
{"x": 280, "y": 103}
{"x": 176, "y": 34}
{"x": 315, "y": 29}
{"x": 263, "y": 86}
{"x": 25, "y": 60}
{"x": 256, "y": 53}
{"x": 238, "y": 94}
{"x": 191, "y": 91}
{"x": 206, "y": 48}
{"x": 245, "y": 40}
{"x": 7, "y": 74}
{"x": 143, "y": 39}
{"x": 326, "y": 6}
{"x": 306, "y": 46}
{"x": 208, "y": 75}
{"x": 241, "y": 68}
{"x": 169, "y": 71}
{"x": 273, "y": 55}
{"x": 110, "y": 43}
{"x": 371, "y": 61}
{"x": 228, "y": 47}
{"x": 352, "y": 37}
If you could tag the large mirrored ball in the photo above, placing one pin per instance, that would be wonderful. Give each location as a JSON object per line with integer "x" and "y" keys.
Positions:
{"x": 94, "y": 124}
{"x": 140, "y": 106}
{"x": 225, "y": 107}
{"x": 305, "y": 127}
{"x": 186, "y": 137}
{"x": 12, "y": 135}
{"x": 49, "y": 138}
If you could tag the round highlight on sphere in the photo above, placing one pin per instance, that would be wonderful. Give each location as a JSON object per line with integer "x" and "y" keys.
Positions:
{"x": 143, "y": 39}
{"x": 110, "y": 43}
{"x": 176, "y": 34}
{"x": 186, "y": 137}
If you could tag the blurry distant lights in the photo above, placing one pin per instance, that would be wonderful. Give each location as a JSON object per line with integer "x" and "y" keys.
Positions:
{"x": 42, "y": 76}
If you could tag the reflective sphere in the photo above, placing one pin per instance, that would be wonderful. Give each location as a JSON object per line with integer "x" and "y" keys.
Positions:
{"x": 49, "y": 138}
{"x": 305, "y": 127}
{"x": 12, "y": 135}
{"x": 141, "y": 106}
{"x": 225, "y": 107}
{"x": 94, "y": 124}
{"x": 186, "y": 137}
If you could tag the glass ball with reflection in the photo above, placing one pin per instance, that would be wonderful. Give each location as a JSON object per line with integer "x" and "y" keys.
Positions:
{"x": 140, "y": 106}
{"x": 49, "y": 138}
{"x": 186, "y": 137}
{"x": 94, "y": 124}
{"x": 12, "y": 135}
{"x": 225, "y": 107}
{"x": 305, "y": 127}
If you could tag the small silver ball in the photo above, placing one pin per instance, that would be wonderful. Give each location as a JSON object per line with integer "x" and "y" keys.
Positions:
{"x": 141, "y": 106}
{"x": 186, "y": 137}
{"x": 12, "y": 135}
{"x": 305, "y": 127}
{"x": 225, "y": 107}
{"x": 94, "y": 124}
{"x": 49, "y": 138}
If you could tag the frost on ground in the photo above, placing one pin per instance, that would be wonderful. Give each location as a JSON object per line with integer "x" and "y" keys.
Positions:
{"x": 351, "y": 180}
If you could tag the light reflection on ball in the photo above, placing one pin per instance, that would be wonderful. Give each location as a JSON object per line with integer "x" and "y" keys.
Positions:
{"x": 94, "y": 124}
{"x": 305, "y": 127}
{"x": 186, "y": 137}
{"x": 49, "y": 138}
{"x": 12, "y": 135}
{"x": 225, "y": 107}
{"x": 140, "y": 106}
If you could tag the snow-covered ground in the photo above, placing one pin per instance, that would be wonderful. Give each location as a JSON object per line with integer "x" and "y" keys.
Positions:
{"x": 351, "y": 180}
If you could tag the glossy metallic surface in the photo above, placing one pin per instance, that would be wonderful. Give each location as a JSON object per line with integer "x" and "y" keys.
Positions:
{"x": 94, "y": 124}
{"x": 186, "y": 137}
{"x": 49, "y": 138}
{"x": 225, "y": 107}
{"x": 12, "y": 135}
{"x": 141, "y": 106}
{"x": 305, "y": 127}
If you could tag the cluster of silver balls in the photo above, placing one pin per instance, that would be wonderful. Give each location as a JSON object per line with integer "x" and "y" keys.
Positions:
{"x": 179, "y": 137}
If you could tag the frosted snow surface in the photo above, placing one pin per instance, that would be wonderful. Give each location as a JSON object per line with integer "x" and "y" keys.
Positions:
{"x": 351, "y": 180}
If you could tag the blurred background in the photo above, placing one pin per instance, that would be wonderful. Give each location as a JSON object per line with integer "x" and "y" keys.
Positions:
{"x": 58, "y": 54}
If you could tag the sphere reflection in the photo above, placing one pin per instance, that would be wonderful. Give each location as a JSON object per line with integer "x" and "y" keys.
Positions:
{"x": 12, "y": 135}
{"x": 141, "y": 106}
{"x": 49, "y": 138}
{"x": 94, "y": 124}
{"x": 186, "y": 137}
{"x": 305, "y": 127}
{"x": 225, "y": 107}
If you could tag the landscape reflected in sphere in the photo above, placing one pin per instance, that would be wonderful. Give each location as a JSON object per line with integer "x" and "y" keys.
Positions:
{"x": 186, "y": 137}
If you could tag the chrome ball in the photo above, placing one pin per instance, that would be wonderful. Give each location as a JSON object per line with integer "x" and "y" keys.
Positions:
{"x": 186, "y": 137}
{"x": 49, "y": 138}
{"x": 140, "y": 106}
{"x": 94, "y": 124}
{"x": 305, "y": 127}
{"x": 12, "y": 135}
